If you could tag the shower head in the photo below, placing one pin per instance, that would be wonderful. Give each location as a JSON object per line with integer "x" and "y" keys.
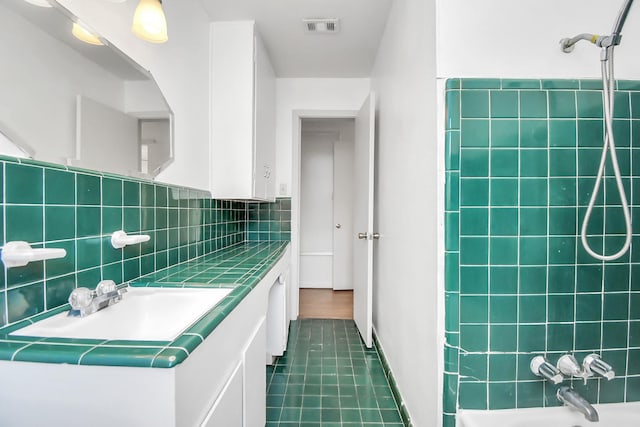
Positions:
{"x": 604, "y": 42}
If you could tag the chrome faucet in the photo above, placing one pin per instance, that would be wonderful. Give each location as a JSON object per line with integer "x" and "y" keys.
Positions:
{"x": 541, "y": 367}
{"x": 594, "y": 365}
{"x": 570, "y": 397}
{"x": 569, "y": 366}
{"x": 84, "y": 301}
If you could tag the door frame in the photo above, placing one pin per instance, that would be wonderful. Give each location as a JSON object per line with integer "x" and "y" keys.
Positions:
{"x": 298, "y": 115}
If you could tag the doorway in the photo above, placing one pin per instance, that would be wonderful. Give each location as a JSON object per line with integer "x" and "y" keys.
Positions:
{"x": 326, "y": 211}
{"x": 362, "y": 178}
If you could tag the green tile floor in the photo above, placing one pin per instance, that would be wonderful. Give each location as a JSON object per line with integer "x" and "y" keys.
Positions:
{"x": 328, "y": 378}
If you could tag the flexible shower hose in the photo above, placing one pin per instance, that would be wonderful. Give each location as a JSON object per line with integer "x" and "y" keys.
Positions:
{"x": 608, "y": 88}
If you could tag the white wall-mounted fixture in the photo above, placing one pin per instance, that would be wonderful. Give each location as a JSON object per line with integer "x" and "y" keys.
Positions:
{"x": 321, "y": 25}
{"x": 19, "y": 254}
{"x": 41, "y": 3}
{"x": 120, "y": 239}
{"x": 80, "y": 32}
{"x": 149, "y": 22}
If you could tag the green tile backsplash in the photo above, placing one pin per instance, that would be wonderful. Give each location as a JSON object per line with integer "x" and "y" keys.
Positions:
{"x": 78, "y": 210}
{"x": 269, "y": 221}
{"x": 522, "y": 157}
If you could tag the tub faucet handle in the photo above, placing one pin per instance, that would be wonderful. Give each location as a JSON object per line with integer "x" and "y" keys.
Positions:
{"x": 569, "y": 366}
{"x": 541, "y": 367}
{"x": 594, "y": 365}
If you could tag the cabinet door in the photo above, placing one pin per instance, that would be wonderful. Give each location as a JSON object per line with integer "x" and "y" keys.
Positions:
{"x": 265, "y": 124}
{"x": 227, "y": 409}
{"x": 255, "y": 378}
{"x": 232, "y": 109}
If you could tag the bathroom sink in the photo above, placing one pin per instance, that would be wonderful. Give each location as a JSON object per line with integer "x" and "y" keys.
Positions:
{"x": 146, "y": 314}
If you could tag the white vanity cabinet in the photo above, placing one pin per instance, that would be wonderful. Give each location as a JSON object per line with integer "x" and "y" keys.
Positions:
{"x": 242, "y": 399}
{"x": 227, "y": 409}
{"x": 243, "y": 92}
{"x": 222, "y": 382}
{"x": 255, "y": 378}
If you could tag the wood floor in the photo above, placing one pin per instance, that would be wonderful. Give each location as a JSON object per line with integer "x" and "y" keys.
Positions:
{"x": 326, "y": 304}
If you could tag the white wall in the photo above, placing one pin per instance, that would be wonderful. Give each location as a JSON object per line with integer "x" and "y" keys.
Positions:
{"x": 309, "y": 94}
{"x": 143, "y": 99}
{"x": 519, "y": 39}
{"x": 155, "y": 134}
{"x": 406, "y": 204}
{"x": 9, "y": 148}
{"x": 107, "y": 138}
{"x": 180, "y": 66}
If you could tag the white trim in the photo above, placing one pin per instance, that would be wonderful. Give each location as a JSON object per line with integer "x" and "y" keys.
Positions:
{"x": 297, "y": 116}
{"x": 316, "y": 285}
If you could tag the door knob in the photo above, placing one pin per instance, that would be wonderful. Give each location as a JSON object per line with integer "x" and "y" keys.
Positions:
{"x": 376, "y": 236}
{"x": 338, "y": 225}
{"x": 362, "y": 236}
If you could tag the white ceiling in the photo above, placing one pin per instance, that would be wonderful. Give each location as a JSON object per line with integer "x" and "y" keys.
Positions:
{"x": 293, "y": 53}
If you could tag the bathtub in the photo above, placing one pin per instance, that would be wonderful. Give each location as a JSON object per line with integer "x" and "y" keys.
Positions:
{"x": 611, "y": 415}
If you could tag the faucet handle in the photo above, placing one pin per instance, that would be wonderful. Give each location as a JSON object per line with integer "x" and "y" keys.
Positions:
{"x": 594, "y": 365}
{"x": 80, "y": 298}
{"x": 105, "y": 286}
{"x": 541, "y": 367}
{"x": 569, "y": 366}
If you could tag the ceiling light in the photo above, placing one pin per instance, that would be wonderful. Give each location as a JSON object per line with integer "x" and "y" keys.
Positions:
{"x": 41, "y": 3}
{"x": 149, "y": 22}
{"x": 81, "y": 33}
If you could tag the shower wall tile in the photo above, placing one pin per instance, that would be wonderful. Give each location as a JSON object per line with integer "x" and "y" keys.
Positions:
{"x": 522, "y": 156}
{"x": 77, "y": 210}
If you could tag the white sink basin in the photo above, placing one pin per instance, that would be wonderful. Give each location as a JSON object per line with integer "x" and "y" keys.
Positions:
{"x": 146, "y": 314}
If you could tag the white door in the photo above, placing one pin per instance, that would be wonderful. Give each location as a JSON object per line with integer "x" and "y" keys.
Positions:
{"x": 342, "y": 208}
{"x": 363, "y": 219}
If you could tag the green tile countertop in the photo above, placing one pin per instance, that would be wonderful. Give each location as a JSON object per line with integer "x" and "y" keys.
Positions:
{"x": 240, "y": 267}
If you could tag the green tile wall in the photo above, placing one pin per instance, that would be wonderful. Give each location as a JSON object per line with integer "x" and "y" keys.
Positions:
{"x": 521, "y": 160}
{"x": 78, "y": 210}
{"x": 269, "y": 221}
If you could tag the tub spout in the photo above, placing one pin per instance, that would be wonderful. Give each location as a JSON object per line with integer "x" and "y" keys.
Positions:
{"x": 571, "y": 398}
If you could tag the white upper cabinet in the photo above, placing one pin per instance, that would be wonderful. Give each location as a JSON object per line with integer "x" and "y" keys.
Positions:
{"x": 243, "y": 114}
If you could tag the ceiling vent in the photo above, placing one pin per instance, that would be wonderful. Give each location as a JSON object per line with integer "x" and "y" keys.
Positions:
{"x": 322, "y": 25}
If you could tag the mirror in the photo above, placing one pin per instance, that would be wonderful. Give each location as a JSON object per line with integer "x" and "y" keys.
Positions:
{"x": 65, "y": 101}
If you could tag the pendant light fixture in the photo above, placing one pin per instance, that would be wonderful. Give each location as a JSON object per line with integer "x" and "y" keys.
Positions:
{"x": 149, "y": 22}
{"x": 81, "y": 33}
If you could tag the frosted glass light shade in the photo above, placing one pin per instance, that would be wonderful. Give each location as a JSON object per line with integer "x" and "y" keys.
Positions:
{"x": 41, "y": 3}
{"x": 85, "y": 35}
{"x": 149, "y": 22}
